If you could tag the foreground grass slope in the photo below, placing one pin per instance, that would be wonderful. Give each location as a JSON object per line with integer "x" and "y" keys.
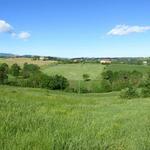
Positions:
{"x": 41, "y": 119}
{"x": 75, "y": 71}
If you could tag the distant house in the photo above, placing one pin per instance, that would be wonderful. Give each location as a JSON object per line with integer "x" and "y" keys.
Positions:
{"x": 75, "y": 61}
{"x": 105, "y": 61}
{"x": 145, "y": 62}
{"x": 43, "y": 58}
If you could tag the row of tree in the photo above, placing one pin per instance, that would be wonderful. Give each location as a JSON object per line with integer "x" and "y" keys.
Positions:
{"x": 30, "y": 76}
{"x": 131, "y": 84}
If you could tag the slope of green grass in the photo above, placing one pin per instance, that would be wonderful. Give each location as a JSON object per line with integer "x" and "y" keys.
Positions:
{"x": 35, "y": 119}
{"x": 74, "y": 71}
{"x": 128, "y": 67}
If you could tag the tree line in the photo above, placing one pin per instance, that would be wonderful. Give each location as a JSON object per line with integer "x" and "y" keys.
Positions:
{"x": 131, "y": 83}
{"x": 30, "y": 76}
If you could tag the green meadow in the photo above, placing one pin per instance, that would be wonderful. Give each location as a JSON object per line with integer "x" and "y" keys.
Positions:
{"x": 128, "y": 67}
{"x": 37, "y": 119}
{"x": 74, "y": 71}
{"x": 40, "y": 119}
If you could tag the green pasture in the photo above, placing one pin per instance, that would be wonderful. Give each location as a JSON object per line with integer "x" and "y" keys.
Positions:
{"x": 37, "y": 119}
{"x": 128, "y": 67}
{"x": 74, "y": 71}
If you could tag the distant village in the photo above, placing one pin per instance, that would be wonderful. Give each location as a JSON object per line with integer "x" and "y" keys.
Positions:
{"x": 101, "y": 60}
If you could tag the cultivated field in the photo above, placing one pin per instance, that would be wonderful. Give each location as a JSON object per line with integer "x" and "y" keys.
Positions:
{"x": 41, "y": 119}
{"x": 21, "y": 61}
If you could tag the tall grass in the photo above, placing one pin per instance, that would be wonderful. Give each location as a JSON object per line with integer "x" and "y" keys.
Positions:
{"x": 36, "y": 119}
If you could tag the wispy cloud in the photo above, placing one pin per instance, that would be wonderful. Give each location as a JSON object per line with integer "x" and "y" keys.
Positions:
{"x": 7, "y": 28}
{"x": 24, "y": 35}
{"x": 121, "y": 30}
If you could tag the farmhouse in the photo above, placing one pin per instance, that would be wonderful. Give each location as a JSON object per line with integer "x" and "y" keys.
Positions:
{"x": 105, "y": 61}
{"x": 43, "y": 58}
{"x": 145, "y": 62}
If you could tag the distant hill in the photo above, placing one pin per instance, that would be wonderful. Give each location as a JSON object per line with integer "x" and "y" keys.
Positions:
{"x": 6, "y": 55}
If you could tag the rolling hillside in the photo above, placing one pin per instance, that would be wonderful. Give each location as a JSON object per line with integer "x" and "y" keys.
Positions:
{"x": 75, "y": 71}
{"x": 41, "y": 119}
{"x": 128, "y": 67}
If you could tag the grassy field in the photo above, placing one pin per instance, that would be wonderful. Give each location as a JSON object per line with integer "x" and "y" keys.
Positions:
{"x": 75, "y": 71}
{"x": 127, "y": 67}
{"x": 35, "y": 119}
{"x": 21, "y": 61}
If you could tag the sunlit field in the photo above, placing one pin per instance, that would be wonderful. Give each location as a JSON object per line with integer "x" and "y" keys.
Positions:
{"x": 21, "y": 61}
{"x": 128, "y": 67}
{"x": 41, "y": 119}
{"x": 75, "y": 71}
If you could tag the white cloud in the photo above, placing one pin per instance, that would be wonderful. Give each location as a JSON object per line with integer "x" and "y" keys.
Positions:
{"x": 125, "y": 30}
{"x": 5, "y": 27}
{"x": 24, "y": 35}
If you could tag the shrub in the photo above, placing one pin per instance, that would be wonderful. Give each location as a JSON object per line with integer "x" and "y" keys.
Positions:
{"x": 24, "y": 83}
{"x": 5, "y": 66}
{"x": 58, "y": 82}
{"x": 129, "y": 93}
{"x": 30, "y": 69}
{"x": 106, "y": 86}
{"x": 39, "y": 80}
{"x": 15, "y": 70}
{"x": 145, "y": 92}
{"x": 119, "y": 84}
{"x": 108, "y": 75}
{"x": 136, "y": 78}
{"x": 3, "y": 74}
{"x": 86, "y": 77}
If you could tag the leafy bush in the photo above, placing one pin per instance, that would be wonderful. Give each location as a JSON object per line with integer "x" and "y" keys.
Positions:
{"x": 12, "y": 83}
{"x": 58, "y": 82}
{"x": 145, "y": 92}
{"x": 3, "y": 74}
{"x": 24, "y": 83}
{"x": 129, "y": 93}
{"x": 106, "y": 86}
{"x": 108, "y": 75}
{"x": 5, "y": 66}
{"x": 39, "y": 80}
{"x": 15, "y": 70}
{"x": 122, "y": 79}
{"x": 30, "y": 69}
{"x": 119, "y": 84}
{"x": 86, "y": 77}
{"x": 136, "y": 78}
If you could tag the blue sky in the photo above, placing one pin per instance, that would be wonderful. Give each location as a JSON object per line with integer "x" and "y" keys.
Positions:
{"x": 75, "y": 28}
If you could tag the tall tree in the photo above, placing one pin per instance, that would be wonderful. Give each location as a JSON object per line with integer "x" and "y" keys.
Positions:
{"x": 3, "y": 74}
{"x": 15, "y": 70}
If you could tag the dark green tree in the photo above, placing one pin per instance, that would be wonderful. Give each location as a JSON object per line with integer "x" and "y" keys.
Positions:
{"x": 30, "y": 69}
{"x": 3, "y": 74}
{"x": 108, "y": 75}
{"x": 58, "y": 82}
{"x": 6, "y": 67}
{"x": 15, "y": 70}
